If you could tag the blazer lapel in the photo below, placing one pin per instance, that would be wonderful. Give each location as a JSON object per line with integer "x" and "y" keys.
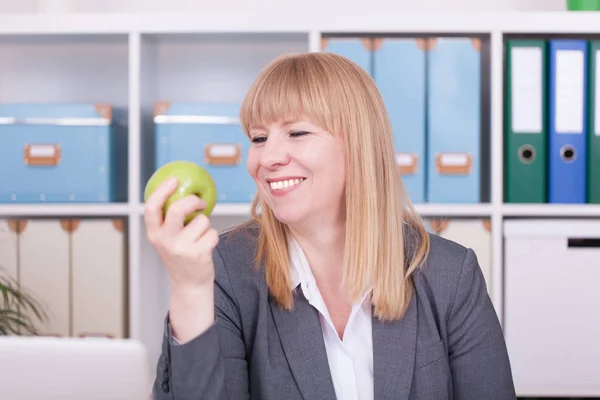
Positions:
{"x": 302, "y": 339}
{"x": 394, "y": 355}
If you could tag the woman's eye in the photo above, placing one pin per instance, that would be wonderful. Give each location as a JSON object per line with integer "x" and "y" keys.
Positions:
{"x": 298, "y": 133}
{"x": 259, "y": 139}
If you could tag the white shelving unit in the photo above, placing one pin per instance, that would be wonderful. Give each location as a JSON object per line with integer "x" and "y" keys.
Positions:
{"x": 136, "y": 60}
{"x": 76, "y": 210}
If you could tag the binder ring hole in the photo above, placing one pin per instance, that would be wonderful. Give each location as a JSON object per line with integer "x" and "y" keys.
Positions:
{"x": 526, "y": 154}
{"x": 568, "y": 153}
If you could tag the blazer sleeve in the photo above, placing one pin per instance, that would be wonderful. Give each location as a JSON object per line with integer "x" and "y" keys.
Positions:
{"x": 477, "y": 350}
{"x": 212, "y": 365}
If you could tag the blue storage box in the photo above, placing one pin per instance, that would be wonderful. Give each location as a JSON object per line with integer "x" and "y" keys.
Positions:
{"x": 210, "y": 135}
{"x": 454, "y": 120}
{"x": 62, "y": 153}
{"x": 399, "y": 71}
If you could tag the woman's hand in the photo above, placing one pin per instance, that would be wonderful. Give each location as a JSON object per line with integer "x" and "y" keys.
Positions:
{"x": 185, "y": 250}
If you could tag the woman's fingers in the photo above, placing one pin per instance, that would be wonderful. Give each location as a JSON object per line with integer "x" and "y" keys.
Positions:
{"x": 153, "y": 208}
{"x": 179, "y": 211}
{"x": 195, "y": 229}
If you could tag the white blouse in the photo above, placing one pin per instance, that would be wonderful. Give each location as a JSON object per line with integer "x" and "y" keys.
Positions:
{"x": 350, "y": 360}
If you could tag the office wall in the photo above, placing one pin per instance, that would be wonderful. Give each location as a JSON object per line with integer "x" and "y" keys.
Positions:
{"x": 150, "y": 6}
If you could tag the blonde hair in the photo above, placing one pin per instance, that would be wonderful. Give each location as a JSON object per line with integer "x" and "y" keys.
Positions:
{"x": 337, "y": 95}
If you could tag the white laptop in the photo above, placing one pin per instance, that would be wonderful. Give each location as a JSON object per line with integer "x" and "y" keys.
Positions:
{"x": 52, "y": 368}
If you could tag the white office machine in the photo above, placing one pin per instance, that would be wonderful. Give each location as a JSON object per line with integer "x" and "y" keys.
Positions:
{"x": 52, "y": 368}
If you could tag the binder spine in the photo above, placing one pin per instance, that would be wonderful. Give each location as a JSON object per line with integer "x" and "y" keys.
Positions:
{"x": 525, "y": 124}
{"x": 568, "y": 124}
{"x": 593, "y": 170}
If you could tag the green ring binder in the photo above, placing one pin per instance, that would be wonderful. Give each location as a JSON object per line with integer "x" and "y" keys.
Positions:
{"x": 583, "y": 5}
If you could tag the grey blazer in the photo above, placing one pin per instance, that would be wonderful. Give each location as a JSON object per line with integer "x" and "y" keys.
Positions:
{"x": 448, "y": 346}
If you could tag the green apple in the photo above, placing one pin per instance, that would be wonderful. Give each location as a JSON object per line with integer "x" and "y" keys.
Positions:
{"x": 193, "y": 180}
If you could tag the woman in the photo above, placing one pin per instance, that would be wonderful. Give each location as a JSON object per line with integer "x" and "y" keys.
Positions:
{"x": 334, "y": 290}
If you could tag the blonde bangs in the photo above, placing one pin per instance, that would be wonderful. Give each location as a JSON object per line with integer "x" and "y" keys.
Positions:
{"x": 294, "y": 87}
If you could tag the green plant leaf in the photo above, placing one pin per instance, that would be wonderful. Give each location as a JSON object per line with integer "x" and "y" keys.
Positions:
{"x": 13, "y": 323}
{"x": 17, "y": 307}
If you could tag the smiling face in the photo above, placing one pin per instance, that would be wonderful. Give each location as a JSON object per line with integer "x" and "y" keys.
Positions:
{"x": 299, "y": 169}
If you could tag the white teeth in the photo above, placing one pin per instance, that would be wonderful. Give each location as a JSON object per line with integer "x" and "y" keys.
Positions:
{"x": 285, "y": 184}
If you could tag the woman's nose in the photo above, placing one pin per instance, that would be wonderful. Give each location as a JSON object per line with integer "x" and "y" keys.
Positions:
{"x": 274, "y": 154}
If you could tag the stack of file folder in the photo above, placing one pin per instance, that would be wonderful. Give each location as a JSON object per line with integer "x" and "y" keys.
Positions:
{"x": 432, "y": 91}
{"x": 552, "y": 121}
